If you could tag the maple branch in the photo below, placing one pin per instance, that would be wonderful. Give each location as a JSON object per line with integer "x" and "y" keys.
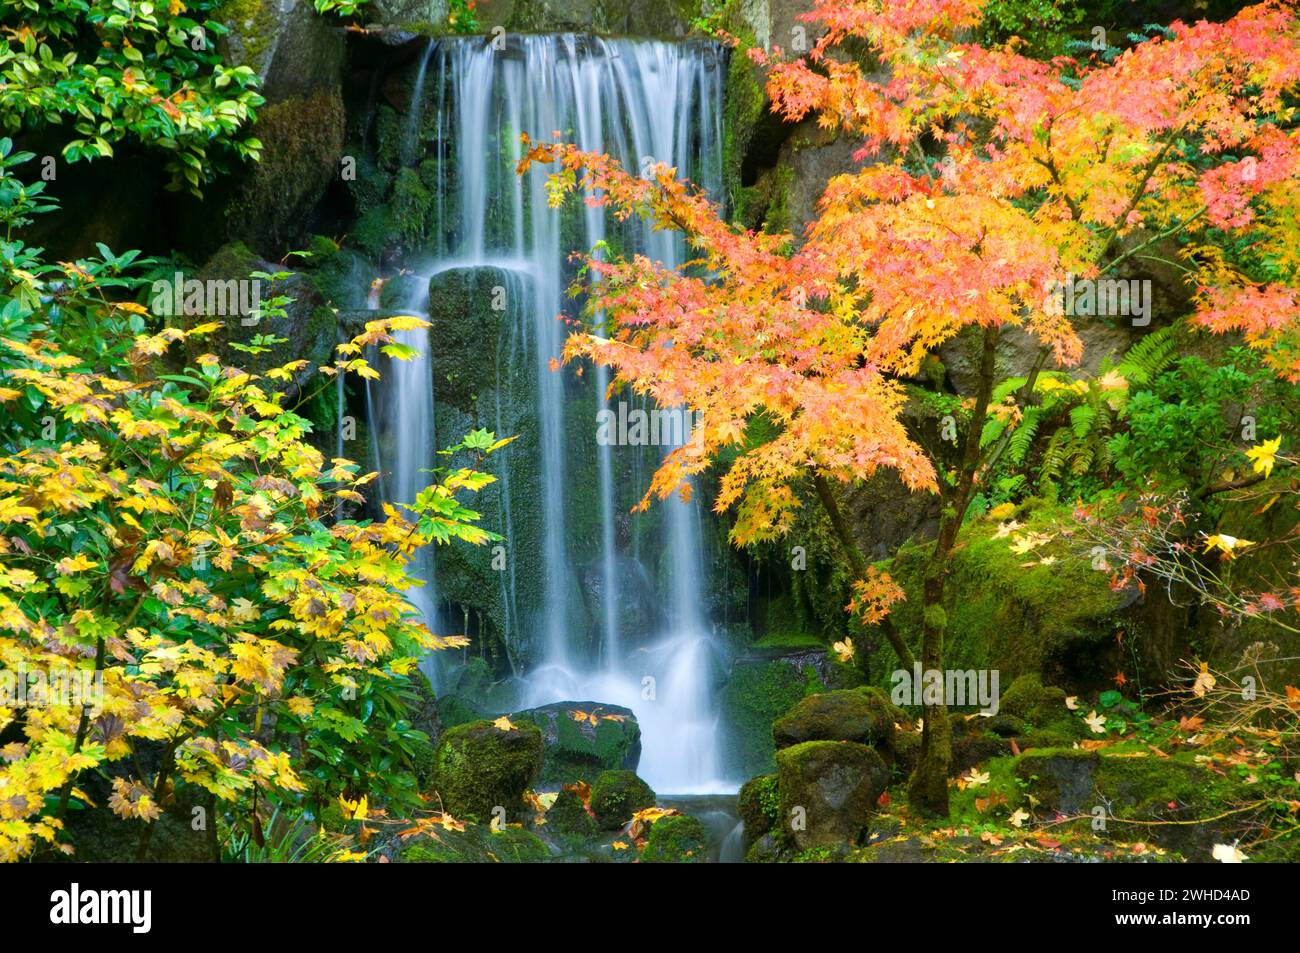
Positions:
{"x": 1239, "y": 484}
{"x": 1050, "y": 165}
{"x": 1141, "y": 188}
{"x": 1159, "y": 236}
{"x": 859, "y": 563}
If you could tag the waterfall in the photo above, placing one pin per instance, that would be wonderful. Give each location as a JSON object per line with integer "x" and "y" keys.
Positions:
{"x": 496, "y": 237}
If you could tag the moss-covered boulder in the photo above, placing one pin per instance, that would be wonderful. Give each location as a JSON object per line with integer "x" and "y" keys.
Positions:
{"x": 568, "y": 815}
{"x": 861, "y": 715}
{"x": 308, "y": 331}
{"x": 600, "y": 738}
{"x": 480, "y": 767}
{"x": 759, "y": 806}
{"x": 1028, "y": 698}
{"x": 973, "y": 742}
{"x": 1175, "y": 798}
{"x": 678, "y": 839}
{"x": 477, "y": 844}
{"x": 827, "y": 791}
{"x": 1060, "y": 779}
{"x": 1173, "y": 801}
{"x": 617, "y": 795}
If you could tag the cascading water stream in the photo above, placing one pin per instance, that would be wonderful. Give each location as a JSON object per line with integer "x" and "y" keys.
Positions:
{"x": 642, "y": 102}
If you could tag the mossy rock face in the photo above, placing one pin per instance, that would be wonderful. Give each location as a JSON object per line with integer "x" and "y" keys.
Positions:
{"x": 679, "y": 839}
{"x": 309, "y": 329}
{"x": 827, "y": 791}
{"x": 976, "y": 747}
{"x": 602, "y": 738}
{"x": 454, "y": 710}
{"x": 1150, "y": 788}
{"x": 1057, "y": 619}
{"x": 760, "y": 690}
{"x": 480, "y": 767}
{"x": 861, "y": 715}
{"x": 478, "y": 844}
{"x": 905, "y": 751}
{"x": 617, "y": 795}
{"x": 1060, "y": 778}
{"x": 302, "y": 140}
{"x": 759, "y": 806}
{"x": 648, "y": 18}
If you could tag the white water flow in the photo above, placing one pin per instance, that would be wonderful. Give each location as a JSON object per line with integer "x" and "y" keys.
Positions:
{"x": 405, "y": 414}
{"x": 642, "y": 102}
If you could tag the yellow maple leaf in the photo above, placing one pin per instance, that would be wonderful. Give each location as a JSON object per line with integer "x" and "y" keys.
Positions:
{"x": 1226, "y": 544}
{"x": 1096, "y": 722}
{"x": 505, "y": 724}
{"x": 1264, "y": 455}
{"x": 355, "y": 810}
{"x": 844, "y": 650}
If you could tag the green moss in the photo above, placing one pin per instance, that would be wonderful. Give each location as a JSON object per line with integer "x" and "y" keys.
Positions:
{"x": 999, "y": 796}
{"x": 759, "y": 806}
{"x": 302, "y": 140}
{"x": 411, "y": 205}
{"x": 744, "y": 103}
{"x": 862, "y": 715}
{"x": 454, "y": 710}
{"x": 779, "y": 215}
{"x": 372, "y": 230}
{"x": 479, "y": 768}
{"x": 1002, "y": 614}
{"x": 679, "y": 839}
{"x": 617, "y": 795}
{"x": 789, "y": 642}
{"x": 253, "y": 23}
{"x": 580, "y": 750}
{"x": 758, "y": 692}
{"x": 569, "y": 816}
{"x": 478, "y": 843}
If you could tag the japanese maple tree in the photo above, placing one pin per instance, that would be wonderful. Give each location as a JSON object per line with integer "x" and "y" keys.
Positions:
{"x": 986, "y": 178}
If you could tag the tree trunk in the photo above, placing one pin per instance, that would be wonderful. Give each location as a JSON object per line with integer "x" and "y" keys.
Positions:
{"x": 927, "y": 790}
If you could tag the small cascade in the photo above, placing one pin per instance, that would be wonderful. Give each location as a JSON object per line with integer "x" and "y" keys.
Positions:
{"x": 404, "y": 418}
{"x": 598, "y": 605}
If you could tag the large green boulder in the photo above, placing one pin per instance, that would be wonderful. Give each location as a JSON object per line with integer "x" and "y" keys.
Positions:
{"x": 678, "y": 839}
{"x": 617, "y": 795}
{"x": 582, "y": 739}
{"x": 480, "y": 767}
{"x": 827, "y": 791}
{"x": 1060, "y": 779}
{"x": 861, "y": 715}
